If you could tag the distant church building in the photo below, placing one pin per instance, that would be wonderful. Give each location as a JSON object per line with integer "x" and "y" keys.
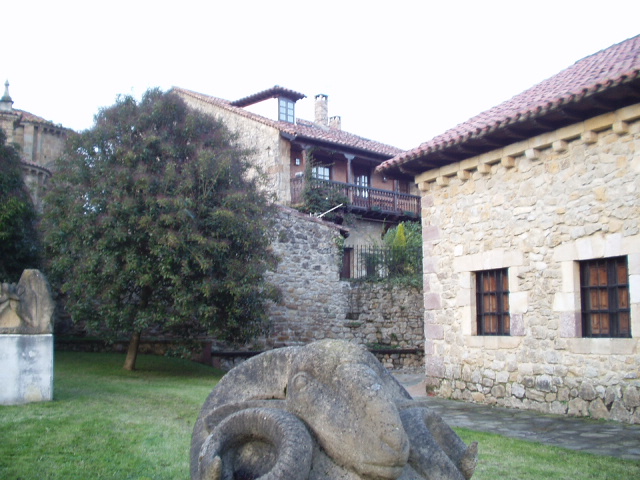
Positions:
{"x": 39, "y": 141}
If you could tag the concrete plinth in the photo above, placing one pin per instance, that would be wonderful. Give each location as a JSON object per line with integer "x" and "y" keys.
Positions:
{"x": 26, "y": 368}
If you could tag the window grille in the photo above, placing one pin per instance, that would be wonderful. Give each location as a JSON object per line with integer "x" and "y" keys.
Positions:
{"x": 492, "y": 302}
{"x": 604, "y": 290}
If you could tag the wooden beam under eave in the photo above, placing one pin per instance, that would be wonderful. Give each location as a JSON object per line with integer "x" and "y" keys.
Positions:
{"x": 514, "y": 133}
{"x": 417, "y": 166}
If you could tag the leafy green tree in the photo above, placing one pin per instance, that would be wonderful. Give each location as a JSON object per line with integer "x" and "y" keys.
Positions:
{"x": 404, "y": 243}
{"x": 152, "y": 222}
{"x": 19, "y": 245}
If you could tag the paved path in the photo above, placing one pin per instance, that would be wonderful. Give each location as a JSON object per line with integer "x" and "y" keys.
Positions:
{"x": 594, "y": 436}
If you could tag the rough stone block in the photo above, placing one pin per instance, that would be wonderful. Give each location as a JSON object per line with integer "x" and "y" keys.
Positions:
{"x": 598, "y": 410}
{"x": 578, "y": 408}
{"x": 587, "y": 391}
{"x": 619, "y": 412}
{"x": 631, "y": 397}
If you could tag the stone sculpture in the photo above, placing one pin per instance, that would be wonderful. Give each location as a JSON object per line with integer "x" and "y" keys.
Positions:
{"x": 26, "y": 307}
{"x": 26, "y": 340}
{"x": 328, "y": 410}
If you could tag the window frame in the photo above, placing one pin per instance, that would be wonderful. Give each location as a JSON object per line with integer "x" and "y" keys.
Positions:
{"x": 362, "y": 183}
{"x": 286, "y": 110}
{"x": 500, "y": 312}
{"x": 321, "y": 172}
{"x": 612, "y": 293}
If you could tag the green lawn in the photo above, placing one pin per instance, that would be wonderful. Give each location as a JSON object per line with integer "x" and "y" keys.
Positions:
{"x": 109, "y": 423}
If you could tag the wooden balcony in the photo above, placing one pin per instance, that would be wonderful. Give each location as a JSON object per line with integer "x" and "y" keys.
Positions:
{"x": 369, "y": 202}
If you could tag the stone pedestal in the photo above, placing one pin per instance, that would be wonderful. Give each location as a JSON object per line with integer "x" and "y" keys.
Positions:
{"x": 26, "y": 368}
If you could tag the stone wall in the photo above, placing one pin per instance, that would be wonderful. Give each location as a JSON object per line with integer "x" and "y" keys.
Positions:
{"x": 537, "y": 208}
{"x": 272, "y": 154}
{"x": 317, "y": 304}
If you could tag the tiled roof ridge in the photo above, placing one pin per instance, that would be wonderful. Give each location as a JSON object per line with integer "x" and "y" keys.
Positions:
{"x": 304, "y": 129}
{"x": 35, "y": 165}
{"x": 272, "y": 92}
{"x": 30, "y": 117}
{"x": 595, "y": 73}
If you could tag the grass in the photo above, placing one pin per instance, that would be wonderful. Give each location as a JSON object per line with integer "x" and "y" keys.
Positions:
{"x": 507, "y": 458}
{"x": 108, "y": 423}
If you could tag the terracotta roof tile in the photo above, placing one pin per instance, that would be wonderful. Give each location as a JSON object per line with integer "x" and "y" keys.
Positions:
{"x": 273, "y": 92}
{"x": 596, "y": 73}
{"x": 30, "y": 117}
{"x": 302, "y": 129}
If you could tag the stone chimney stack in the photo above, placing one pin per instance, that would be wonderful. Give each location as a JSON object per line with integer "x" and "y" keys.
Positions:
{"x": 335, "y": 123}
{"x": 322, "y": 110}
{"x": 6, "y": 104}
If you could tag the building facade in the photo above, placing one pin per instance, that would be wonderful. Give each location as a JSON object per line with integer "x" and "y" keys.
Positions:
{"x": 343, "y": 164}
{"x": 531, "y": 226}
{"x": 39, "y": 141}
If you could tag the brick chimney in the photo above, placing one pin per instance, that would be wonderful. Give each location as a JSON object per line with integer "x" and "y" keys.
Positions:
{"x": 322, "y": 110}
{"x": 335, "y": 123}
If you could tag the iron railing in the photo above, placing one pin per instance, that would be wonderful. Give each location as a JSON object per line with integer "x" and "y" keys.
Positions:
{"x": 361, "y": 198}
{"x": 373, "y": 262}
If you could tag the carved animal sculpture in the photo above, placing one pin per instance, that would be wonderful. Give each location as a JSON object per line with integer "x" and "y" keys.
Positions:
{"x": 328, "y": 410}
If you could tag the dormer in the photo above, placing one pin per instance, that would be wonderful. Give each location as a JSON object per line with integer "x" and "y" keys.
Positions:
{"x": 284, "y": 110}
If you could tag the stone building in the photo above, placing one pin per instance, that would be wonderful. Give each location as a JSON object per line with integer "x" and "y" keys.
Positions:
{"x": 40, "y": 142}
{"x": 531, "y": 226}
{"x": 343, "y": 163}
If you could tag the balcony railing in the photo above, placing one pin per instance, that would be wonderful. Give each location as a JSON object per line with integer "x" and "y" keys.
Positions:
{"x": 359, "y": 198}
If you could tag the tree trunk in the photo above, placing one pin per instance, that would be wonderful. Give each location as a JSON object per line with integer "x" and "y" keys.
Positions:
{"x": 132, "y": 352}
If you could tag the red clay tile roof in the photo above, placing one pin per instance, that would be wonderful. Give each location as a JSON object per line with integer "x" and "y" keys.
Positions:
{"x": 30, "y": 117}
{"x": 303, "y": 130}
{"x": 273, "y": 92}
{"x": 598, "y": 83}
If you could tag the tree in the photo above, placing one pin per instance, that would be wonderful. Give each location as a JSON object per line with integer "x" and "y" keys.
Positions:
{"x": 19, "y": 245}
{"x": 152, "y": 222}
{"x": 404, "y": 243}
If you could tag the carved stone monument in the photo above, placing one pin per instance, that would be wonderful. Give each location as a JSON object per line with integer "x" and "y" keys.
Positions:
{"x": 26, "y": 340}
{"x": 328, "y": 410}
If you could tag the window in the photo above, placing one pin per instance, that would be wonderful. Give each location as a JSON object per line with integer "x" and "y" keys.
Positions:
{"x": 492, "y": 302}
{"x": 321, "y": 172}
{"x": 286, "y": 110}
{"x": 362, "y": 181}
{"x": 604, "y": 290}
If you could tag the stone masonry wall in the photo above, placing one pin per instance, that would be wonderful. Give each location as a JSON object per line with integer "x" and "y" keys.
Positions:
{"x": 271, "y": 154}
{"x": 317, "y": 304}
{"x": 536, "y": 208}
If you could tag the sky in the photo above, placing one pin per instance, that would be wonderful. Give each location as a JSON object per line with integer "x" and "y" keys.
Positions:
{"x": 399, "y": 72}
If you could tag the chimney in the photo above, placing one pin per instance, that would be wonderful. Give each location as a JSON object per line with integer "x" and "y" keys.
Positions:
{"x": 6, "y": 104}
{"x": 335, "y": 122}
{"x": 322, "y": 110}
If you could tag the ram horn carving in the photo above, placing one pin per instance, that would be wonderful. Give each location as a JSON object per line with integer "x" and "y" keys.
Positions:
{"x": 331, "y": 407}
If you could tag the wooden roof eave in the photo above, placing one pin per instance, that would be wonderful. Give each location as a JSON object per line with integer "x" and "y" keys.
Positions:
{"x": 305, "y": 142}
{"x": 549, "y": 119}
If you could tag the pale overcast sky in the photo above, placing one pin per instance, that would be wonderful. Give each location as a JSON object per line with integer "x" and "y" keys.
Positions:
{"x": 399, "y": 72}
